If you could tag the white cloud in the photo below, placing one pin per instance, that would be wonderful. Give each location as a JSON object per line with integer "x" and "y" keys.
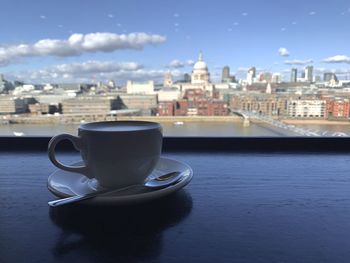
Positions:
{"x": 337, "y": 59}
{"x": 298, "y": 62}
{"x": 283, "y": 52}
{"x": 110, "y": 15}
{"x": 242, "y": 70}
{"x": 283, "y": 29}
{"x": 60, "y": 26}
{"x": 312, "y": 13}
{"x": 294, "y": 23}
{"x": 42, "y": 17}
{"x": 88, "y": 71}
{"x": 180, "y": 64}
{"x": 176, "y": 15}
{"x": 338, "y": 71}
{"x": 244, "y": 14}
{"x": 93, "y": 67}
{"x": 176, "y": 24}
{"x": 235, "y": 23}
{"x": 78, "y": 44}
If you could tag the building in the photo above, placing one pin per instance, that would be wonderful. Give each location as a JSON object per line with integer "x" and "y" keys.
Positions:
{"x": 2, "y": 83}
{"x": 200, "y": 79}
{"x": 166, "y": 108}
{"x": 10, "y": 104}
{"x": 187, "y": 78}
{"x": 168, "y": 80}
{"x": 39, "y": 108}
{"x": 327, "y": 76}
{"x": 251, "y": 75}
{"x": 200, "y": 107}
{"x": 226, "y": 77}
{"x": 111, "y": 84}
{"x": 268, "y": 88}
{"x": 200, "y": 73}
{"x": 330, "y": 77}
{"x": 338, "y": 108}
{"x": 307, "y": 108}
{"x": 294, "y": 75}
{"x": 93, "y": 105}
{"x": 168, "y": 94}
{"x": 265, "y": 104}
{"x": 276, "y": 78}
{"x": 72, "y": 89}
{"x": 147, "y": 104}
{"x": 265, "y": 77}
{"x": 194, "y": 94}
{"x": 309, "y": 71}
{"x": 226, "y": 74}
{"x": 140, "y": 87}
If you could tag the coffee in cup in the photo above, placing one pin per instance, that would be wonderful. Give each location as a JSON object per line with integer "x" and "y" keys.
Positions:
{"x": 116, "y": 154}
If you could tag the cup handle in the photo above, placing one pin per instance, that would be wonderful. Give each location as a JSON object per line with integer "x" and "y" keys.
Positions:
{"x": 51, "y": 152}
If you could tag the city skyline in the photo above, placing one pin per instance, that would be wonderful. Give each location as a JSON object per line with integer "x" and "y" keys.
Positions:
{"x": 59, "y": 42}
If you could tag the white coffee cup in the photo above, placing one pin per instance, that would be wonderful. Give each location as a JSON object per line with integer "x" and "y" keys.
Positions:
{"x": 116, "y": 154}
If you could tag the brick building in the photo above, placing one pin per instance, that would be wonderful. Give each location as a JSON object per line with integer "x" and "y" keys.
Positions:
{"x": 338, "y": 108}
{"x": 166, "y": 108}
{"x": 202, "y": 107}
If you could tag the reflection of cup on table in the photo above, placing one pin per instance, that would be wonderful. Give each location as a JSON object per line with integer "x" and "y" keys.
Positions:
{"x": 116, "y": 154}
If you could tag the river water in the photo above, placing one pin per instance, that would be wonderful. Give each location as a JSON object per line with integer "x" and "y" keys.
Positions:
{"x": 205, "y": 129}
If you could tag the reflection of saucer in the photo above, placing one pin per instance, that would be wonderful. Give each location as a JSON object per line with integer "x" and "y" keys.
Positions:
{"x": 64, "y": 184}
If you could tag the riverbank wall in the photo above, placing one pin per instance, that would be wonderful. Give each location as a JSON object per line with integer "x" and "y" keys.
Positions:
{"x": 62, "y": 119}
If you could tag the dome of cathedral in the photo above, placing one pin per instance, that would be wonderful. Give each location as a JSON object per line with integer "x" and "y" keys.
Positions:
{"x": 200, "y": 73}
{"x": 200, "y": 64}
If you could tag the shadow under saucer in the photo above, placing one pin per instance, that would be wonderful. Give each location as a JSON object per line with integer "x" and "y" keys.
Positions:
{"x": 118, "y": 233}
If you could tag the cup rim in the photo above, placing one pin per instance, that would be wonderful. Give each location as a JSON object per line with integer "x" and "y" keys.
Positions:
{"x": 148, "y": 126}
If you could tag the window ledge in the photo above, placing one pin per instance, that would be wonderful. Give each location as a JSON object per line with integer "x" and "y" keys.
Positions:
{"x": 234, "y": 144}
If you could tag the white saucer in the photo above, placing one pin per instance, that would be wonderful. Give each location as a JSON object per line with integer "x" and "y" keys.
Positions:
{"x": 64, "y": 184}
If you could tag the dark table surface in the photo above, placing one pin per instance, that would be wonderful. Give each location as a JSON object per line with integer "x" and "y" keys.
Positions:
{"x": 239, "y": 207}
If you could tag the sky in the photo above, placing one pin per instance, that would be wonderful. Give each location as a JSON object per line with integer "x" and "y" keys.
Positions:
{"x": 56, "y": 41}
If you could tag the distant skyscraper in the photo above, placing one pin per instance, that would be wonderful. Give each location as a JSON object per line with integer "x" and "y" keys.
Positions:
{"x": 226, "y": 74}
{"x": 328, "y": 76}
{"x": 294, "y": 75}
{"x": 2, "y": 83}
{"x": 187, "y": 77}
{"x": 253, "y": 70}
{"x": 309, "y": 71}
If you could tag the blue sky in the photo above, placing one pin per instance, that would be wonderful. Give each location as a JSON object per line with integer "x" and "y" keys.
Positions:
{"x": 240, "y": 34}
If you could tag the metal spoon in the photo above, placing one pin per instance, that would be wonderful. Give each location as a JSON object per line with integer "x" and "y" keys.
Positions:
{"x": 159, "y": 182}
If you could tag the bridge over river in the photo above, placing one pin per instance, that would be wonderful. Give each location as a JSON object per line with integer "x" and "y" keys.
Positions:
{"x": 249, "y": 116}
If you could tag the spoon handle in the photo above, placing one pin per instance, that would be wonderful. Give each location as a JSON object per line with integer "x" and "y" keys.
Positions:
{"x": 77, "y": 198}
